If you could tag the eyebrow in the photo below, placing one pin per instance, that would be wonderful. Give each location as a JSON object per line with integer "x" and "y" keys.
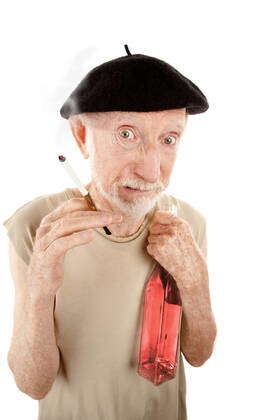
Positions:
{"x": 178, "y": 125}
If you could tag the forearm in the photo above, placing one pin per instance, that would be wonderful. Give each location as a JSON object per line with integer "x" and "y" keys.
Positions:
{"x": 198, "y": 329}
{"x": 34, "y": 356}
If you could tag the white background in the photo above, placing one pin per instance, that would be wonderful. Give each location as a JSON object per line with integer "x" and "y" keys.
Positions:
{"x": 228, "y": 167}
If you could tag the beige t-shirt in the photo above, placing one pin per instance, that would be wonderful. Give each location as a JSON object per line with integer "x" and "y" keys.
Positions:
{"x": 98, "y": 313}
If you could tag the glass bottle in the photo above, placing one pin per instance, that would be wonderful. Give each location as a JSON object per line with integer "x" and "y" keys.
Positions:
{"x": 162, "y": 312}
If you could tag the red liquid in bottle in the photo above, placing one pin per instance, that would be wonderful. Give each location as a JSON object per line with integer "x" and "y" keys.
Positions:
{"x": 159, "y": 346}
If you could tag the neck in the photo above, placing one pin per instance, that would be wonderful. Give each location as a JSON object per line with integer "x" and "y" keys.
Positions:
{"x": 127, "y": 227}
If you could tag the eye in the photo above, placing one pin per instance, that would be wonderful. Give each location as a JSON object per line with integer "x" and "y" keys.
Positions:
{"x": 125, "y": 133}
{"x": 126, "y": 138}
{"x": 170, "y": 139}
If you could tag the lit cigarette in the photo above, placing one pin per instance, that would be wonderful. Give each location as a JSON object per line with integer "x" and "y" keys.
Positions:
{"x": 82, "y": 189}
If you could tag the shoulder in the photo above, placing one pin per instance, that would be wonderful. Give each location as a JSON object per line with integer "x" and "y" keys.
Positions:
{"x": 34, "y": 210}
{"x": 186, "y": 211}
{"x": 23, "y": 222}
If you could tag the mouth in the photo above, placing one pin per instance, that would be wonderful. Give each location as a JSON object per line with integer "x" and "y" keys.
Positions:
{"x": 136, "y": 191}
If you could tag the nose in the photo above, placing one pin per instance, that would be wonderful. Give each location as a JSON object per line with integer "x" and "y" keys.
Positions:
{"x": 148, "y": 163}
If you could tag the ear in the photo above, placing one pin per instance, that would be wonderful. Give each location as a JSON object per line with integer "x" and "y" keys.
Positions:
{"x": 79, "y": 132}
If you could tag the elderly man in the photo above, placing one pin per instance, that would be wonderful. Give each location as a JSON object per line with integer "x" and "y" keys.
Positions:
{"x": 79, "y": 291}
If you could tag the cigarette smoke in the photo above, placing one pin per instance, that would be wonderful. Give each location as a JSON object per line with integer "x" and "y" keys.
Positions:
{"x": 73, "y": 71}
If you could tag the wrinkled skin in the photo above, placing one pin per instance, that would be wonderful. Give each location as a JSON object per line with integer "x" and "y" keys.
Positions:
{"x": 172, "y": 244}
{"x": 149, "y": 166}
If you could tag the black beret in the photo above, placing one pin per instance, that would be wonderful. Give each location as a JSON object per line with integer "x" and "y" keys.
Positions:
{"x": 134, "y": 82}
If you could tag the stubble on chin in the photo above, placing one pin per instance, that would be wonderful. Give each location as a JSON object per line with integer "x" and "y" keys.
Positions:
{"x": 135, "y": 207}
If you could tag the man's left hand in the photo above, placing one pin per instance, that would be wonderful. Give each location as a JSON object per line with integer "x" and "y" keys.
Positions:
{"x": 172, "y": 244}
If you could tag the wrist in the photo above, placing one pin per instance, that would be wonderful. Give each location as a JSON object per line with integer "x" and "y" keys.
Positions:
{"x": 192, "y": 282}
{"x": 37, "y": 299}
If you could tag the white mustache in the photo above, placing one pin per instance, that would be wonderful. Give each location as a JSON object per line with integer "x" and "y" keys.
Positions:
{"x": 139, "y": 186}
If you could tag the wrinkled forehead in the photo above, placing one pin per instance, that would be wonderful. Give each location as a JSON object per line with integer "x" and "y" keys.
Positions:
{"x": 175, "y": 117}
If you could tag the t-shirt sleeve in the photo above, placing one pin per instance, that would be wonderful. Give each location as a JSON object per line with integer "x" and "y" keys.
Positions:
{"x": 21, "y": 228}
{"x": 202, "y": 235}
{"x": 196, "y": 220}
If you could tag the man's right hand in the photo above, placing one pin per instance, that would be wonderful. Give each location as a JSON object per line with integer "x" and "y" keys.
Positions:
{"x": 69, "y": 225}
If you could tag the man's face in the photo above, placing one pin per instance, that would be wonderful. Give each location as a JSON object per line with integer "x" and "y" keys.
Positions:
{"x": 134, "y": 149}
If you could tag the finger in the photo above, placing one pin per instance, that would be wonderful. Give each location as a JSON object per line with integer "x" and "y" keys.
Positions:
{"x": 46, "y": 226}
{"x": 41, "y": 231}
{"x": 61, "y": 245}
{"x": 64, "y": 208}
{"x": 159, "y": 228}
{"x": 151, "y": 248}
{"x": 157, "y": 239}
{"x": 68, "y": 207}
{"x": 68, "y": 225}
{"x": 164, "y": 217}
